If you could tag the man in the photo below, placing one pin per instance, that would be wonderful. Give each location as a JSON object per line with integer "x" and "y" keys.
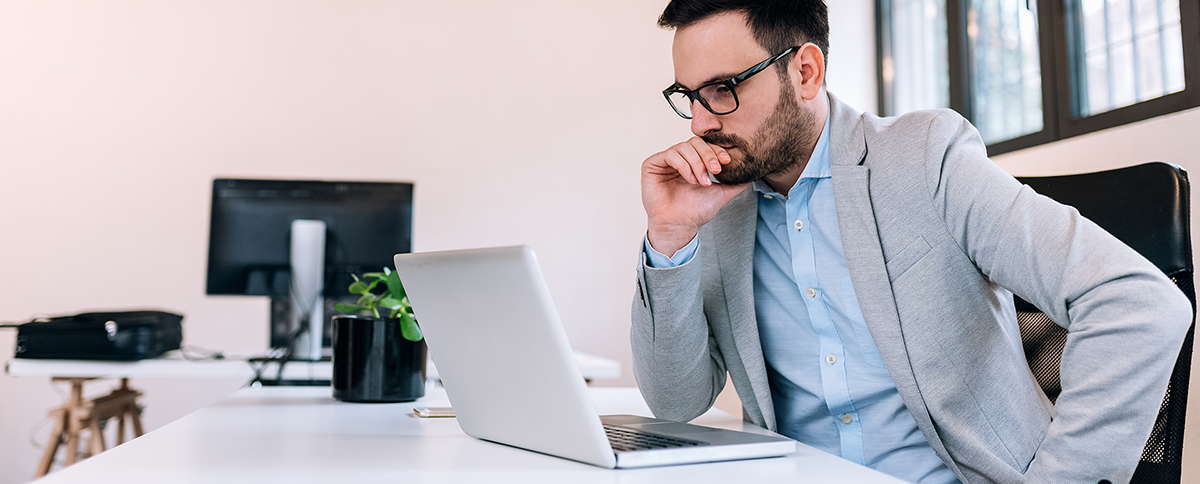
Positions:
{"x": 854, "y": 275}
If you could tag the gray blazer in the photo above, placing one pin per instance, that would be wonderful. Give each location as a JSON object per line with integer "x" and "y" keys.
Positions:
{"x": 936, "y": 236}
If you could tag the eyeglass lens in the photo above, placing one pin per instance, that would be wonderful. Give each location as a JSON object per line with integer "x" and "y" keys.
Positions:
{"x": 719, "y": 99}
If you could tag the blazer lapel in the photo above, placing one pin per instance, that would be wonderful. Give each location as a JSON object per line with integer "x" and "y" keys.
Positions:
{"x": 865, "y": 261}
{"x": 860, "y": 235}
{"x": 734, "y": 251}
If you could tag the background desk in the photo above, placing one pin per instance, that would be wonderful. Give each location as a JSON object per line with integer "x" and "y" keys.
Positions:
{"x": 592, "y": 367}
{"x": 301, "y": 435}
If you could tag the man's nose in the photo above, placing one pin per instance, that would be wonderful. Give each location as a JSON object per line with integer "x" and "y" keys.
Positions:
{"x": 704, "y": 121}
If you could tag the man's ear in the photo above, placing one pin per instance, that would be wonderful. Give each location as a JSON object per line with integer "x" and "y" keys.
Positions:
{"x": 808, "y": 71}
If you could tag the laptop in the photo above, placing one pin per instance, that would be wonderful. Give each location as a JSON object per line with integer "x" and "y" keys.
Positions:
{"x": 512, "y": 378}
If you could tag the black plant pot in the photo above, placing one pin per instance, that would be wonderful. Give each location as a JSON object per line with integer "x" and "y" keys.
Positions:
{"x": 372, "y": 362}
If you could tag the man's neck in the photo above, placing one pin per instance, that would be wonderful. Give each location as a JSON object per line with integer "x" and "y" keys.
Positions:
{"x": 783, "y": 182}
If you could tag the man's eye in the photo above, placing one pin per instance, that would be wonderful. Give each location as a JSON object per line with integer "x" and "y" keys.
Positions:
{"x": 714, "y": 90}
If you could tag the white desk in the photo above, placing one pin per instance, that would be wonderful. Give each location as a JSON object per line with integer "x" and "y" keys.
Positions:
{"x": 74, "y": 415}
{"x": 301, "y": 435}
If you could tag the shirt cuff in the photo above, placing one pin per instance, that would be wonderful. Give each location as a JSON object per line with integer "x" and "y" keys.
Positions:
{"x": 658, "y": 261}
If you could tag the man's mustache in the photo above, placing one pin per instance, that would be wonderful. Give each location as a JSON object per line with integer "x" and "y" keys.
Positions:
{"x": 725, "y": 140}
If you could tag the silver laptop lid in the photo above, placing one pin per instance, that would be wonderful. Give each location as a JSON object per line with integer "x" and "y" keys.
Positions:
{"x": 480, "y": 311}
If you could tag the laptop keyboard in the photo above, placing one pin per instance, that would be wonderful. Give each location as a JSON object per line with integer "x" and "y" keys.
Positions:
{"x": 627, "y": 440}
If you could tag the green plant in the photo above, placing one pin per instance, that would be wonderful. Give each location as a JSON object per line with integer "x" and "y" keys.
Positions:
{"x": 393, "y": 299}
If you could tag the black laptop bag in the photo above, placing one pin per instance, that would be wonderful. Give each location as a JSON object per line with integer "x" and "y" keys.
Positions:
{"x": 124, "y": 335}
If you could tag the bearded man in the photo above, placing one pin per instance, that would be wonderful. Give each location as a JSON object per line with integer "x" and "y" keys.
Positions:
{"x": 854, "y": 275}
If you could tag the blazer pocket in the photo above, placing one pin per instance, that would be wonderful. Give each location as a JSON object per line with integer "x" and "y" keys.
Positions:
{"x": 904, "y": 260}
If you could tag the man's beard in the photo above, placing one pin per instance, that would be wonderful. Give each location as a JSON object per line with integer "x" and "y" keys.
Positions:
{"x": 784, "y": 140}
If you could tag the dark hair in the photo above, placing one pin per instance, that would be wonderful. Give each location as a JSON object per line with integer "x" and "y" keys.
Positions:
{"x": 775, "y": 24}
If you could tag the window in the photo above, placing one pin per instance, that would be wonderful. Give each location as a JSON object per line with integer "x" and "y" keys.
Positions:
{"x": 1129, "y": 51}
{"x": 918, "y": 45}
{"x": 1006, "y": 76}
{"x": 1027, "y": 72}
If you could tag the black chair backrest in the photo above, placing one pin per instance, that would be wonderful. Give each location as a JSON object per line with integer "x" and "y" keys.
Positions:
{"x": 1145, "y": 206}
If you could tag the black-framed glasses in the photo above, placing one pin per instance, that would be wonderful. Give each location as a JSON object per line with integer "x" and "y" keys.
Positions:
{"x": 719, "y": 97}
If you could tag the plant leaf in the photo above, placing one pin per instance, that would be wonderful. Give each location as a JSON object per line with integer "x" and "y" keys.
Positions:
{"x": 409, "y": 329}
{"x": 391, "y": 303}
{"x": 359, "y": 287}
{"x": 368, "y": 300}
{"x": 348, "y": 309}
{"x": 371, "y": 286}
{"x": 395, "y": 288}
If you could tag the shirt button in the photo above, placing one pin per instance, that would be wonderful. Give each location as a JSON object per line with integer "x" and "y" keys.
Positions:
{"x": 768, "y": 196}
{"x": 846, "y": 418}
{"x": 810, "y": 292}
{"x": 799, "y": 224}
{"x": 830, "y": 359}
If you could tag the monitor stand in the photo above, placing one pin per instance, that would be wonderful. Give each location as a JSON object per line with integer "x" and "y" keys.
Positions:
{"x": 307, "y": 288}
{"x": 283, "y": 324}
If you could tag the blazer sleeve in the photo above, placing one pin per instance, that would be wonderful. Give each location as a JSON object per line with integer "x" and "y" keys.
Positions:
{"x": 1126, "y": 320}
{"x": 675, "y": 359}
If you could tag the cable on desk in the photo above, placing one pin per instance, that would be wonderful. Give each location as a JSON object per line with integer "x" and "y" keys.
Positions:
{"x": 282, "y": 356}
{"x": 204, "y": 354}
{"x": 39, "y": 425}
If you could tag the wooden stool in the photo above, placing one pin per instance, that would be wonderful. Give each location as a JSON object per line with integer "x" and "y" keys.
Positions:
{"x": 76, "y": 415}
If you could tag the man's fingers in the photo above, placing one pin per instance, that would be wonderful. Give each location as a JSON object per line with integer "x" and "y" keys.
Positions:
{"x": 698, "y": 156}
{"x": 683, "y": 159}
{"x": 676, "y": 161}
{"x": 710, "y": 154}
{"x": 693, "y": 159}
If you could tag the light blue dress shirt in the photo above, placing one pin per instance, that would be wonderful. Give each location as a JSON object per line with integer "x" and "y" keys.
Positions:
{"x": 829, "y": 384}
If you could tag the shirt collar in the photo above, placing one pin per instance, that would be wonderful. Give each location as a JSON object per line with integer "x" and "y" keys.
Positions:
{"x": 818, "y": 163}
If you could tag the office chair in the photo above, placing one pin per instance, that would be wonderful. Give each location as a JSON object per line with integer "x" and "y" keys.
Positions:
{"x": 1145, "y": 206}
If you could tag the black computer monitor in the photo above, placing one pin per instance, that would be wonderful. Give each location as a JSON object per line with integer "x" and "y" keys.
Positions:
{"x": 249, "y": 239}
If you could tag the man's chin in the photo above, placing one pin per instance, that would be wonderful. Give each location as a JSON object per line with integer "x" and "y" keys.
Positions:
{"x": 733, "y": 176}
{"x": 734, "y": 172}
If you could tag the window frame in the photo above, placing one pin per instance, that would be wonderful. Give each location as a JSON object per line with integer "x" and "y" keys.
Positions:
{"x": 1058, "y": 87}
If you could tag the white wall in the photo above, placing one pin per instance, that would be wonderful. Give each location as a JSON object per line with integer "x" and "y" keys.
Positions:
{"x": 851, "y": 71}
{"x": 519, "y": 122}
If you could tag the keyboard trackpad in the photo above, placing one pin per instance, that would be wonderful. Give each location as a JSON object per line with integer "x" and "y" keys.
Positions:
{"x": 671, "y": 428}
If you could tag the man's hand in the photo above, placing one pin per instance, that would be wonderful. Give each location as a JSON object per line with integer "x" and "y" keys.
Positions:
{"x": 678, "y": 195}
